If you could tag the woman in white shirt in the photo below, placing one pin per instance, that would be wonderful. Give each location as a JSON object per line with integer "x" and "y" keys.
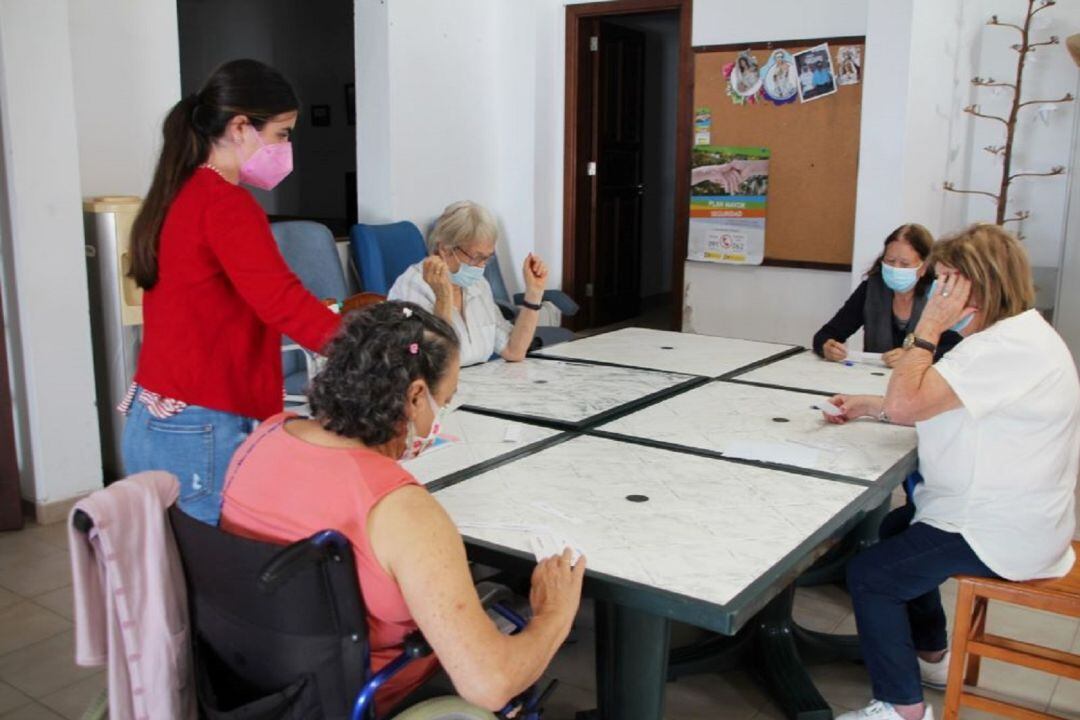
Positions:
{"x": 998, "y": 421}
{"x": 450, "y": 283}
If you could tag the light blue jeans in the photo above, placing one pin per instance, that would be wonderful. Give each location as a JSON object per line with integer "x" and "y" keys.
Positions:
{"x": 195, "y": 445}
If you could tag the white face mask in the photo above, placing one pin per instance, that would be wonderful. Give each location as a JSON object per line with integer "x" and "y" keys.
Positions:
{"x": 415, "y": 445}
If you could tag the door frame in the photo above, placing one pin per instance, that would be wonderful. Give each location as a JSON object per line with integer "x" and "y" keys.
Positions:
{"x": 576, "y": 16}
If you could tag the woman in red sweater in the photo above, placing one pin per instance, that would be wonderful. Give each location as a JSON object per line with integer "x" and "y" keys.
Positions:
{"x": 218, "y": 295}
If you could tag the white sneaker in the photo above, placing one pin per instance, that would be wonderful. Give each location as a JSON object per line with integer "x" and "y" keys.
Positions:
{"x": 879, "y": 710}
{"x": 935, "y": 675}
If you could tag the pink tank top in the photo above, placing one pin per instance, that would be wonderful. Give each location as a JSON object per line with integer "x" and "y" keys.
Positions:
{"x": 280, "y": 488}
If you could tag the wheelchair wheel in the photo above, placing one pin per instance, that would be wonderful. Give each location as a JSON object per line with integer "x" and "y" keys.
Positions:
{"x": 448, "y": 707}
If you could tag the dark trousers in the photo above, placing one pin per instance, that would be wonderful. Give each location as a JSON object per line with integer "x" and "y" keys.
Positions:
{"x": 894, "y": 588}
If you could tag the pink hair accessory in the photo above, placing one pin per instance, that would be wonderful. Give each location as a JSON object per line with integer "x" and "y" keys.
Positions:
{"x": 414, "y": 349}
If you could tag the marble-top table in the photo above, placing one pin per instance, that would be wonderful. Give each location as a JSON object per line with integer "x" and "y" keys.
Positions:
{"x": 695, "y": 528}
{"x": 569, "y": 394}
{"x": 773, "y": 426}
{"x": 666, "y": 350}
{"x": 468, "y": 440}
{"x": 806, "y": 371}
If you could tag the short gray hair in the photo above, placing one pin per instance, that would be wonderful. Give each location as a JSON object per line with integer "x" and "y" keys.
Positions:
{"x": 461, "y": 223}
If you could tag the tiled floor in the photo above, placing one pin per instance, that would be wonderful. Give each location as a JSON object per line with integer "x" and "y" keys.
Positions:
{"x": 39, "y": 680}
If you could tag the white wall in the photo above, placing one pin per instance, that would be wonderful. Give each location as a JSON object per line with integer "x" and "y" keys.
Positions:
{"x": 126, "y": 77}
{"x": 1038, "y": 145}
{"x": 44, "y": 265}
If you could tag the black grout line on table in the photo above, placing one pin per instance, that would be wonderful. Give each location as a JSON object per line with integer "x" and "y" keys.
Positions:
{"x": 459, "y": 476}
{"x": 693, "y": 381}
{"x": 783, "y": 355}
{"x": 717, "y": 455}
{"x": 773, "y": 386}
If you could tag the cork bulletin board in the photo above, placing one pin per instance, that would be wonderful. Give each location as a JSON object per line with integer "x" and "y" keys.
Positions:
{"x": 814, "y": 154}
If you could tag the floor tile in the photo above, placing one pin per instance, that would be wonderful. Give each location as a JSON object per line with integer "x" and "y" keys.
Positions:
{"x": 8, "y": 598}
{"x": 25, "y": 623}
{"x": 34, "y": 576}
{"x": 33, "y": 711}
{"x": 55, "y": 534}
{"x": 72, "y": 701}
{"x": 1066, "y": 699}
{"x": 701, "y": 697}
{"x": 821, "y": 608}
{"x": 20, "y": 545}
{"x": 60, "y": 601}
{"x": 566, "y": 701}
{"x": 843, "y": 684}
{"x": 575, "y": 663}
{"x": 45, "y": 667}
{"x": 10, "y": 698}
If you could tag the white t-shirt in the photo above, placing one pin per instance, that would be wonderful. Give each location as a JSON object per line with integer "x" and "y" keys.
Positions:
{"x": 480, "y": 326}
{"x": 1001, "y": 470}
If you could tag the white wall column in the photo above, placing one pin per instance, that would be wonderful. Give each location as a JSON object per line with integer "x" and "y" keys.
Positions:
{"x": 44, "y": 263}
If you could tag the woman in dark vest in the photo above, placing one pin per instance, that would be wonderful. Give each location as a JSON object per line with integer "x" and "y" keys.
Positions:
{"x": 888, "y": 304}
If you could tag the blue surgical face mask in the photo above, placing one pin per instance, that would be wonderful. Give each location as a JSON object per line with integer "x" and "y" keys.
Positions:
{"x": 899, "y": 279}
{"x": 960, "y": 326}
{"x": 467, "y": 275}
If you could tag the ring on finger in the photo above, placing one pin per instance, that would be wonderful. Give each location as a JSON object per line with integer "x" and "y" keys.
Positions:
{"x": 944, "y": 293}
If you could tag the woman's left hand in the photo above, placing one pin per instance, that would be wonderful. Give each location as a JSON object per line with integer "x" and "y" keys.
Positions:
{"x": 949, "y": 303}
{"x": 535, "y": 273}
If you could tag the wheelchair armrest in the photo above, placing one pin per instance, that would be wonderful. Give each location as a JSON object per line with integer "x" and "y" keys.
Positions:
{"x": 558, "y": 298}
{"x": 300, "y": 554}
{"x": 509, "y": 312}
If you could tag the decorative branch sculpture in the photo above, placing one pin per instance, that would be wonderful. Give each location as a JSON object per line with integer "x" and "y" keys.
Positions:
{"x": 1005, "y": 151}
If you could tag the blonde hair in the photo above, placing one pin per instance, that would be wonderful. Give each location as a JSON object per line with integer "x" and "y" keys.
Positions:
{"x": 997, "y": 265}
{"x": 460, "y": 224}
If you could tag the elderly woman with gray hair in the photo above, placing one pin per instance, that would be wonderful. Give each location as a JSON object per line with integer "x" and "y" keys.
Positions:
{"x": 450, "y": 283}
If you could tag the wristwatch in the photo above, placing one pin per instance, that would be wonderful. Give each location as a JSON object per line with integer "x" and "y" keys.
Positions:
{"x": 531, "y": 306}
{"x": 911, "y": 341}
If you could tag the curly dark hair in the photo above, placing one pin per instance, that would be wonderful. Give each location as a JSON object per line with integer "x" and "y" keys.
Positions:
{"x": 360, "y": 393}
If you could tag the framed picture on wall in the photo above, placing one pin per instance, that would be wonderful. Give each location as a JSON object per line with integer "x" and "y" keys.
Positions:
{"x": 350, "y": 103}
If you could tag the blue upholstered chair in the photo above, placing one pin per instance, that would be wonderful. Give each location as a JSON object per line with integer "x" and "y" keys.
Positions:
{"x": 382, "y": 253}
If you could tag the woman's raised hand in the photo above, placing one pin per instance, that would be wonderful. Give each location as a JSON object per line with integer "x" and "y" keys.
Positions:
{"x": 437, "y": 275}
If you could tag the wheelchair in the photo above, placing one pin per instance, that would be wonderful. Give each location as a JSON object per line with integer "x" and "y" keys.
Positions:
{"x": 280, "y": 633}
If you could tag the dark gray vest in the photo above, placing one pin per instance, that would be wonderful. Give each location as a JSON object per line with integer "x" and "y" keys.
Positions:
{"x": 879, "y": 330}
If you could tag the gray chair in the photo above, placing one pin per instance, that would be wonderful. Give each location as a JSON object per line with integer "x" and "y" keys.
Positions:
{"x": 310, "y": 250}
{"x": 546, "y": 335}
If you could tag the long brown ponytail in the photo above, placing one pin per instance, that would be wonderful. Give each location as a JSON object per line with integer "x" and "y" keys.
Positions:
{"x": 239, "y": 87}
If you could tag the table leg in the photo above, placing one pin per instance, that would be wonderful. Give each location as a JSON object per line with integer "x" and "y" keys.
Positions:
{"x": 631, "y": 663}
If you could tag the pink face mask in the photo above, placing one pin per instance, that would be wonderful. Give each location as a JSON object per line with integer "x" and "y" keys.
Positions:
{"x": 268, "y": 165}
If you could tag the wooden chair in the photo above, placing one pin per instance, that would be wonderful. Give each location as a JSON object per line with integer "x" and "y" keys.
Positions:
{"x": 971, "y": 642}
{"x": 360, "y": 300}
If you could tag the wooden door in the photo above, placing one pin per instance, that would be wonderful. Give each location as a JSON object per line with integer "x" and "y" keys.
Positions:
{"x": 615, "y": 243}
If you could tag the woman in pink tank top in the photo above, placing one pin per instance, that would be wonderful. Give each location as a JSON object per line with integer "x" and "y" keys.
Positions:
{"x": 390, "y": 372}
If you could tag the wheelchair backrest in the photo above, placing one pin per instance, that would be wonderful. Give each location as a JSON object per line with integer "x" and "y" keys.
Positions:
{"x": 302, "y": 646}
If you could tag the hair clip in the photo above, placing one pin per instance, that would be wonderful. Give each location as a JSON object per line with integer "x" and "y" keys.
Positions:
{"x": 407, "y": 312}
{"x": 414, "y": 349}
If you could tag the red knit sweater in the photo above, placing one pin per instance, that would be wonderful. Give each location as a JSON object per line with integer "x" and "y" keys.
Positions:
{"x": 224, "y": 297}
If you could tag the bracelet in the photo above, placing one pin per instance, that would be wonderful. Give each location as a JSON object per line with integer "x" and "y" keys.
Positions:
{"x": 531, "y": 306}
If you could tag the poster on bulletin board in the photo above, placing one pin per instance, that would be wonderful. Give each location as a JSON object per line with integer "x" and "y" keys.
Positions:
{"x": 728, "y": 189}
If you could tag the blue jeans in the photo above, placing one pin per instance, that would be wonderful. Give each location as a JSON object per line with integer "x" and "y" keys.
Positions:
{"x": 195, "y": 445}
{"x": 894, "y": 588}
